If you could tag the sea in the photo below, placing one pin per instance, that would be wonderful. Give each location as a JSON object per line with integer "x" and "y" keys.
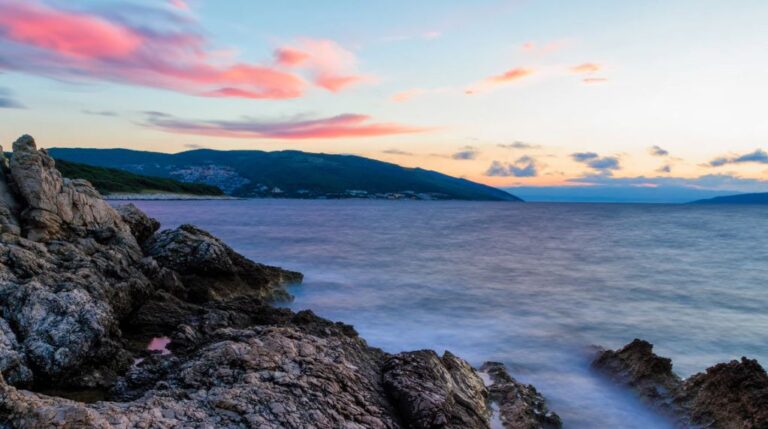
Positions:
{"x": 537, "y": 286}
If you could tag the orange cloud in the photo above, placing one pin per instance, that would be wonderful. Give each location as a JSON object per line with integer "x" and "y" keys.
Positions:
{"x": 340, "y": 126}
{"x": 586, "y": 68}
{"x": 505, "y": 78}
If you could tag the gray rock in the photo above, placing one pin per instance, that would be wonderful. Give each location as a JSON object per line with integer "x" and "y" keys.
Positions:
{"x": 212, "y": 270}
{"x": 520, "y": 405}
{"x": 55, "y": 207}
{"x": 142, "y": 226}
{"x": 436, "y": 392}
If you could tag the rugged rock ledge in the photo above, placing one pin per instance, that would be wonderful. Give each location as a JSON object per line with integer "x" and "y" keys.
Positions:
{"x": 727, "y": 395}
{"x": 520, "y": 405}
{"x": 106, "y": 322}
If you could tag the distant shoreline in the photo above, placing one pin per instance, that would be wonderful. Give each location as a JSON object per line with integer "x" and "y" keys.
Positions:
{"x": 166, "y": 197}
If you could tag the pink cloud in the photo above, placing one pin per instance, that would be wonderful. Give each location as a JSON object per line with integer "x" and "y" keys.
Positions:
{"x": 586, "y": 68}
{"x": 66, "y": 33}
{"x": 543, "y": 48}
{"x": 160, "y": 49}
{"x": 509, "y": 76}
{"x": 408, "y": 95}
{"x": 288, "y": 57}
{"x": 341, "y": 126}
{"x": 594, "y": 80}
{"x": 329, "y": 65}
{"x": 179, "y": 4}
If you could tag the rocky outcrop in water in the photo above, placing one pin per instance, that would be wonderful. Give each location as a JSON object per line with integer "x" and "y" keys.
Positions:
{"x": 728, "y": 395}
{"x": 85, "y": 288}
{"x": 520, "y": 406}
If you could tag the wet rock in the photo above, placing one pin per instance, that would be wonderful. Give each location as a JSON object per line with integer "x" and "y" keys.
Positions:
{"x": 520, "y": 405}
{"x": 142, "y": 226}
{"x": 727, "y": 395}
{"x": 211, "y": 270}
{"x": 436, "y": 392}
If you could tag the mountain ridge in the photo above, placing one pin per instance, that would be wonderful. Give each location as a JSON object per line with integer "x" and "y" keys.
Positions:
{"x": 750, "y": 198}
{"x": 289, "y": 174}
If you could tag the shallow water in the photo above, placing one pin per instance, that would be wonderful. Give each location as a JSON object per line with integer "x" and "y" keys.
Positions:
{"x": 531, "y": 285}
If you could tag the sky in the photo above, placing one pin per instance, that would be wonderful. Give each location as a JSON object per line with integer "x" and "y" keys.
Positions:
{"x": 639, "y": 94}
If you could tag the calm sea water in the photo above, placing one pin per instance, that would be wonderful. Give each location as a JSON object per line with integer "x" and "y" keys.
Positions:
{"x": 532, "y": 285}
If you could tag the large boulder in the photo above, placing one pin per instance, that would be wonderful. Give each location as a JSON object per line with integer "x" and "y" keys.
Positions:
{"x": 211, "y": 270}
{"x": 727, "y": 396}
{"x": 56, "y": 207}
{"x": 436, "y": 392}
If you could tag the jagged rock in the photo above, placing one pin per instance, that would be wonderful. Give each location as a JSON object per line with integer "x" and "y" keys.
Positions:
{"x": 212, "y": 270}
{"x": 727, "y": 396}
{"x": 520, "y": 405}
{"x": 436, "y": 392}
{"x": 54, "y": 206}
{"x": 142, "y": 226}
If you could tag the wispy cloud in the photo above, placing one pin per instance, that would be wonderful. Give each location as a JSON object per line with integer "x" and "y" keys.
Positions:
{"x": 153, "y": 47}
{"x": 543, "y": 48}
{"x": 330, "y": 65}
{"x": 657, "y": 151}
{"x": 397, "y": 152}
{"x": 466, "y": 153}
{"x": 666, "y": 169}
{"x": 100, "y": 112}
{"x": 340, "y": 126}
{"x": 7, "y": 101}
{"x": 603, "y": 165}
{"x": 506, "y": 78}
{"x": 758, "y": 156}
{"x": 594, "y": 80}
{"x": 524, "y": 166}
{"x": 518, "y": 145}
{"x": 587, "y": 68}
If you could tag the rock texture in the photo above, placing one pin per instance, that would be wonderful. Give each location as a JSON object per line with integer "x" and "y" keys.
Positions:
{"x": 520, "y": 405}
{"x": 436, "y": 392}
{"x": 728, "y": 395}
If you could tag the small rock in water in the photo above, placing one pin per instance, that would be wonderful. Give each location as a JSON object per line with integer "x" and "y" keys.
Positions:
{"x": 520, "y": 406}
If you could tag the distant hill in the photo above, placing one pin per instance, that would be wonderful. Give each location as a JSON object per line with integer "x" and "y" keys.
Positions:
{"x": 109, "y": 181}
{"x": 289, "y": 174}
{"x": 758, "y": 198}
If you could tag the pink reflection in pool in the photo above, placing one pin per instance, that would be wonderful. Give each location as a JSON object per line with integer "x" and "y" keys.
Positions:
{"x": 159, "y": 344}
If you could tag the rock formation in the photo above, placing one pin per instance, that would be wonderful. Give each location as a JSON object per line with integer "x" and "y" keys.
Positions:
{"x": 728, "y": 395}
{"x": 84, "y": 288}
{"x": 520, "y": 405}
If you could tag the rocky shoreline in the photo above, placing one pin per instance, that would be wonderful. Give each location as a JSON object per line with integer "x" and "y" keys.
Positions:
{"x": 108, "y": 322}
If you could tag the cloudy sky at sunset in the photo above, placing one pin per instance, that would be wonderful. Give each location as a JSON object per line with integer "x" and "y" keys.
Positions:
{"x": 503, "y": 92}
